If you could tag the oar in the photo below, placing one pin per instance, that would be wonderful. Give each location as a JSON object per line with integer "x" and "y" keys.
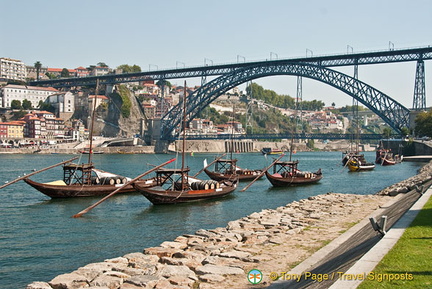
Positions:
{"x": 119, "y": 188}
{"x": 36, "y": 172}
{"x": 262, "y": 173}
{"x": 209, "y": 165}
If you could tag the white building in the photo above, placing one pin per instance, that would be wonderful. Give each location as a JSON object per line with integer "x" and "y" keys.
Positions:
{"x": 12, "y": 69}
{"x": 64, "y": 103}
{"x": 34, "y": 94}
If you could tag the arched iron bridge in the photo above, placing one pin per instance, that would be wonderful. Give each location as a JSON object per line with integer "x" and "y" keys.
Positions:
{"x": 391, "y": 111}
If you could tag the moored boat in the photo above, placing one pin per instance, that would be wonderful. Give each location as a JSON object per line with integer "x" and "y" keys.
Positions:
{"x": 358, "y": 163}
{"x": 287, "y": 174}
{"x": 227, "y": 169}
{"x": 271, "y": 151}
{"x": 176, "y": 186}
{"x": 85, "y": 181}
{"x": 385, "y": 157}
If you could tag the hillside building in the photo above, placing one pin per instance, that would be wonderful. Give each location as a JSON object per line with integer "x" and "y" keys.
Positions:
{"x": 12, "y": 69}
{"x": 34, "y": 94}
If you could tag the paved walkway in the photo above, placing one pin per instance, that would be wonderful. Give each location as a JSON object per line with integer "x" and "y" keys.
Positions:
{"x": 359, "y": 249}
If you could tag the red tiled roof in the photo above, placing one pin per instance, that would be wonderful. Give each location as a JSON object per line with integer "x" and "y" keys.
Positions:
{"x": 99, "y": 96}
{"x": 30, "y": 87}
{"x": 60, "y": 70}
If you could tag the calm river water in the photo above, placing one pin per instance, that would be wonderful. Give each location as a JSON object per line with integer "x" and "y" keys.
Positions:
{"x": 39, "y": 239}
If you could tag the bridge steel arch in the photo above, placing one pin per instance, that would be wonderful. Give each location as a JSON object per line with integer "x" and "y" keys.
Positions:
{"x": 391, "y": 111}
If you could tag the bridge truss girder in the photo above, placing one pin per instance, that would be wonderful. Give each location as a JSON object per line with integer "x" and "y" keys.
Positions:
{"x": 419, "y": 99}
{"x": 365, "y": 58}
{"x": 391, "y": 111}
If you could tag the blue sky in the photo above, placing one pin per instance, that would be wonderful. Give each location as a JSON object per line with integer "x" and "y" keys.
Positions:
{"x": 170, "y": 33}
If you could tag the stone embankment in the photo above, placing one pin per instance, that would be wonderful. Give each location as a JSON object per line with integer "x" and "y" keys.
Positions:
{"x": 424, "y": 175}
{"x": 270, "y": 240}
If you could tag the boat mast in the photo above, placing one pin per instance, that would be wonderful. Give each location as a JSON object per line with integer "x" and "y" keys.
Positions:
{"x": 184, "y": 136}
{"x": 92, "y": 122}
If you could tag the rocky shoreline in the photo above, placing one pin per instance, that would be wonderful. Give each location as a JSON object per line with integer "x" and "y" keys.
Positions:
{"x": 271, "y": 241}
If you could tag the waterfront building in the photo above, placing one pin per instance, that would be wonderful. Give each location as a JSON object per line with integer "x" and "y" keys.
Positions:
{"x": 11, "y": 129}
{"x": 34, "y": 94}
{"x": 12, "y": 69}
{"x": 43, "y": 124}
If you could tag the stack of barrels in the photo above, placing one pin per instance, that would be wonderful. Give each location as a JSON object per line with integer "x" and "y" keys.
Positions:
{"x": 117, "y": 180}
{"x": 205, "y": 185}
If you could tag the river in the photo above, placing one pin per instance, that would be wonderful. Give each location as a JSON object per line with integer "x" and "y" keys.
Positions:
{"x": 39, "y": 240}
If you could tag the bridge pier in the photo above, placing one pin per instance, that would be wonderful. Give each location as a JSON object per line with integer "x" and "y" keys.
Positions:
{"x": 161, "y": 147}
{"x": 239, "y": 146}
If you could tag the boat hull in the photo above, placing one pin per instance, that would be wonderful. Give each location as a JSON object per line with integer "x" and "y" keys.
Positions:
{"x": 73, "y": 191}
{"x": 159, "y": 196}
{"x": 279, "y": 181}
{"x": 358, "y": 168}
{"x": 386, "y": 162}
{"x": 245, "y": 176}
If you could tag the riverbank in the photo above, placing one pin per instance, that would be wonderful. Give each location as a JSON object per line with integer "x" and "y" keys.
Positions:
{"x": 192, "y": 146}
{"x": 270, "y": 241}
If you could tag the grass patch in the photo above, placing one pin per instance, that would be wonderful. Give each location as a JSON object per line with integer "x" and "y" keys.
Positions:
{"x": 409, "y": 259}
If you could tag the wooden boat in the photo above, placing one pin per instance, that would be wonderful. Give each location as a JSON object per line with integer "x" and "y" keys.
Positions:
{"x": 385, "y": 157}
{"x": 85, "y": 181}
{"x": 270, "y": 151}
{"x": 287, "y": 174}
{"x": 358, "y": 163}
{"x": 346, "y": 156}
{"x": 227, "y": 169}
{"x": 176, "y": 186}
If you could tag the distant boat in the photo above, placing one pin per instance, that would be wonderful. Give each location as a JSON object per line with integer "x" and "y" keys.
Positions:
{"x": 287, "y": 174}
{"x": 86, "y": 152}
{"x": 227, "y": 169}
{"x": 358, "y": 163}
{"x": 385, "y": 157}
{"x": 270, "y": 151}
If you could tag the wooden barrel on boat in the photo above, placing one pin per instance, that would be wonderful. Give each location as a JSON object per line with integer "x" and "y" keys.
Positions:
{"x": 95, "y": 180}
{"x": 108, "y": 181}
{"x": 211, "y": 185}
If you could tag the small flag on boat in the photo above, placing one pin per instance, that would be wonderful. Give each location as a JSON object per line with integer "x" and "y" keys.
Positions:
{"x": 205, "y": 163}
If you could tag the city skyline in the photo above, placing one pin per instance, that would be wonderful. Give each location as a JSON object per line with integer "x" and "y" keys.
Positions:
{"x": 169, "y": 34}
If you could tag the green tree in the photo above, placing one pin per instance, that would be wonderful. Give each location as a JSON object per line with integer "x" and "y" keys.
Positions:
{"x": 423, "y": 124}
{"x": 129, "y": 69}
{"x": 162, "y": 82}
{"x": 38, "y": 66}
{"x": 102, "y": 64}
{"x": 16, "y": 104}
{"x": 26, "y": 104}
{"x": 46, "y": 106}
{"x": 64, "y": 72}
{"x": 387, "y": 132}
{"x": 50, "y": 75}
